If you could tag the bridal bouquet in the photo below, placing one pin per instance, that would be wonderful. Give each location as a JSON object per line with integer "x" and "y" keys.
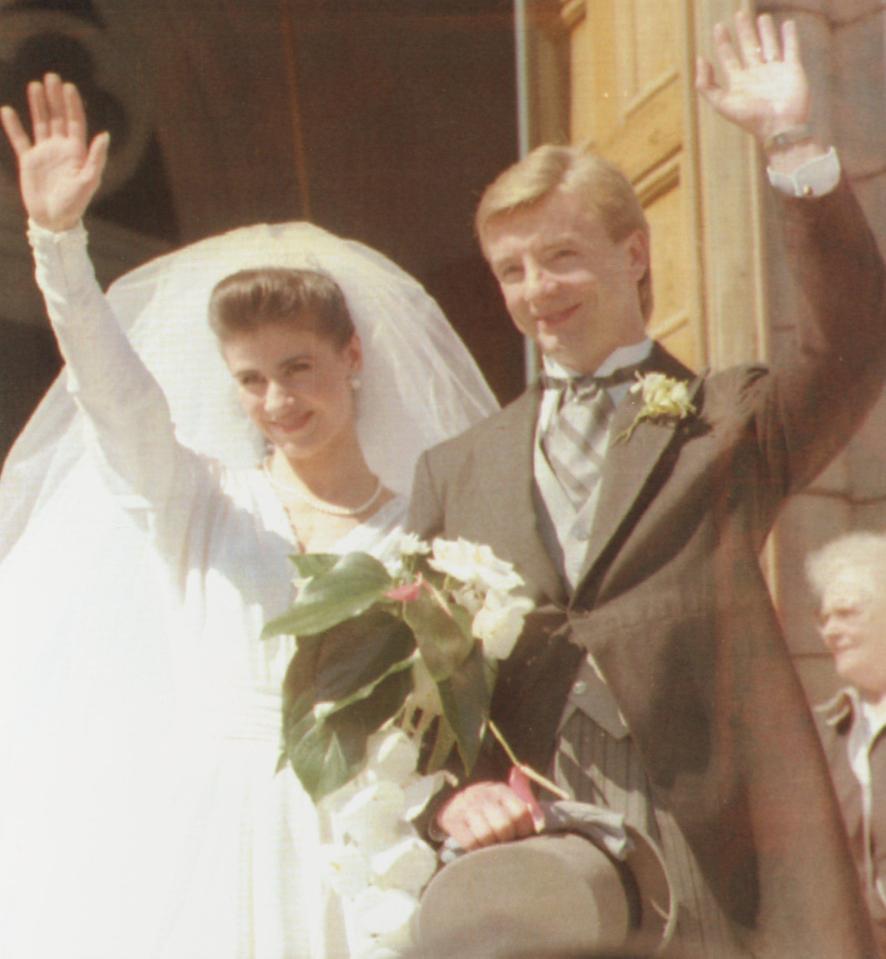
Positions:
{"x": 391, "y": 660}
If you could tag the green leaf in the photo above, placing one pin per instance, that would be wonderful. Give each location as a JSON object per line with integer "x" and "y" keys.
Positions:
{"x": 466, "y": 700}
{"x": 337, "y": 664}
{"x": 313, "y": 564}
{"x": 358, "y": 652}
{"x": 327, "y": 753}
{"x": 464, "y": 619}
{"x": 364, "y": 692}
{"x": 319, "y": 761}
{"x": 441, "y": 640}
{"x": 351, "y": 586}
{"x": 297, "y": 714}
{"x": 361, "y": 668}
{"x": 444, "y": 740}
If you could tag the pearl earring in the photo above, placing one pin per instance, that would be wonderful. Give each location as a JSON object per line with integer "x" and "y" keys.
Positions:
{"x": 355, "y": 382}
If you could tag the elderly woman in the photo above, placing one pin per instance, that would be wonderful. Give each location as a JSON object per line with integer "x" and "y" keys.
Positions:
{"x": 847, "y": 576}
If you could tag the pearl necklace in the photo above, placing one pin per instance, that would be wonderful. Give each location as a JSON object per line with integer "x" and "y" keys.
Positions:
{"x": 321, "y": 506}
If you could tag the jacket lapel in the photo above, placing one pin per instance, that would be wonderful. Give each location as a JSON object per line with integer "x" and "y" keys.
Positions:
{"x": 510, "y": 461}
{"x": 835, "y": 717}
{"x": 630, "y": 462}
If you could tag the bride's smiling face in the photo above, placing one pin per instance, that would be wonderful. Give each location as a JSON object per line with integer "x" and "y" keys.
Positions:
{"x": 296, "y": 386}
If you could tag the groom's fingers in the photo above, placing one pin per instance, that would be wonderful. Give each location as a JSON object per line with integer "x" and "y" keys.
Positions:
{"x": 768, "y": 38}
{"x": 484, "y": 814}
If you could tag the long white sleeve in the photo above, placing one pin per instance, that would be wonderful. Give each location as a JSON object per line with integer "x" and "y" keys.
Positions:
{"x": 127, "y": 414}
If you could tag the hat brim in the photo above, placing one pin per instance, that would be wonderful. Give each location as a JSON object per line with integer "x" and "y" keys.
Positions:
{"x": 551, "y": 894}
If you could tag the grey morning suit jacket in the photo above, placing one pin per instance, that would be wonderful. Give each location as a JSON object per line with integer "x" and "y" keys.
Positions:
{"x": 673, "y": 605}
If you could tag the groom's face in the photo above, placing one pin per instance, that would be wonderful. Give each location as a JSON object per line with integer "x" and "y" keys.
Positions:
{"x": 565, "y": 282}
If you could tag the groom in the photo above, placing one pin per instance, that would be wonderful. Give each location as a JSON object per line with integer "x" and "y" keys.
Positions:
{"x": 652, "y": 678}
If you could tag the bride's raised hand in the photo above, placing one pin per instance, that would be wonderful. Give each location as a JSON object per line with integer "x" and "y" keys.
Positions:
{"x": 58, "y": 172}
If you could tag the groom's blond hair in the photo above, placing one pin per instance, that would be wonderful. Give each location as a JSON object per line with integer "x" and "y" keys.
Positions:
{"x": 602, "y": 187}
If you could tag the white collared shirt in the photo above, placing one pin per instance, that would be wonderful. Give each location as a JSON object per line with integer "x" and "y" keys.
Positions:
{"x": 865, "y": 729}
{"x": 867, "y": 725}
{"x": 631, "y": 355}
{"x": 569, "y": 527}
{"x": 816, "y": 177}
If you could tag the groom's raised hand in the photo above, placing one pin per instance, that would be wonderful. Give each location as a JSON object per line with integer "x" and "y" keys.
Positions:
{"x": 764, "y": 89}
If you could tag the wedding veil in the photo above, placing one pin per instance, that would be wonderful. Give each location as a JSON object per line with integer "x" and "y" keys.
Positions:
{"x": 419, "y": 384}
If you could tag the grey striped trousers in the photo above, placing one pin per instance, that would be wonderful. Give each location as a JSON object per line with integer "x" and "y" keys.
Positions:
{"x": 595, "y": 767}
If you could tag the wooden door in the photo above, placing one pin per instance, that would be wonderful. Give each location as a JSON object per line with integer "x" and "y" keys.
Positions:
{"x": 624, "y": 71}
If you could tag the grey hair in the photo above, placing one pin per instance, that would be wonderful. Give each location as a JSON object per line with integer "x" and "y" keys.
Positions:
{"x": 858, "y": 552}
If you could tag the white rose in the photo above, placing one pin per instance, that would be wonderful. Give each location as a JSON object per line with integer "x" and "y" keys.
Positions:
{"x": 418, "y": 793}
{"x": 650, "y": 385}
{"x": 407, "y": 865}
{"x": 413, "y": 545}
{"x": 346, "y": 869}
{"x": 496, "y": 574}
{"x": 385, "y": 915}
{"x": 373, "y": 814}
{"x": 663, "y": 395}
{"x": 391, "y": 754}
{"x": 680, "y": 394}
{"x": 499, "y": 623}
{"x": 474, "y": 564}
{"x": 468, "y": 598}
{"x": 455, "y": 558}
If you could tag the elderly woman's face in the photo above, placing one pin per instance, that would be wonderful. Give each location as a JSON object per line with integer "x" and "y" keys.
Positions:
{"x": 295, "y": 385}
{"x": 852, "y": 619}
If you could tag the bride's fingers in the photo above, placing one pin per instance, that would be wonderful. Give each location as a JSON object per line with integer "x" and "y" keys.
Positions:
{"x": 75, "y": 113}
{"x": 39, "y": 110}
{"x": 96, "y": 158}
{"x": 15, "y": 132}
{"x": 58, "y": 119}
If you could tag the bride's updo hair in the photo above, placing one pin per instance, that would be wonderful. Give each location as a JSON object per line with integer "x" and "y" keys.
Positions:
{"x": 306, "y": 299}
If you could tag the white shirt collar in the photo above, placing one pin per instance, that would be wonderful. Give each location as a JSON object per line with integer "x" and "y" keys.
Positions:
{"x": 866, "y": 726}
{"x": 629, "y": 355}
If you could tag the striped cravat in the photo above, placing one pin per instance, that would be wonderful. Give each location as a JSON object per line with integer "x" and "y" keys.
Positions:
{"x": 575, "y": 440}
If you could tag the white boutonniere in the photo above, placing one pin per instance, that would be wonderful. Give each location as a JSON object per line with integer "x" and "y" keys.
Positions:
{"x": 664, "y": 398}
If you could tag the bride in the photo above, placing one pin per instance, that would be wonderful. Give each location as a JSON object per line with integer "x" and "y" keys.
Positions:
{"x": 146, "y": 521}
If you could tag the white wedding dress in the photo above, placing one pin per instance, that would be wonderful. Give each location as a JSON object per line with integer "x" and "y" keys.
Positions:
{"x": 141, "y": 816}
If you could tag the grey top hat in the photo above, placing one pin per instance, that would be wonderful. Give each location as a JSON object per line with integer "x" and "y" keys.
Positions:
{"x": 551, "y": 895}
